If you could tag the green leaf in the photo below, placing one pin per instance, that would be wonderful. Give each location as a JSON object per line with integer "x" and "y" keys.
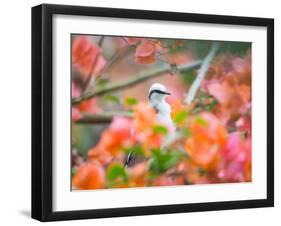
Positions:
{"x": 201, "y": 171}
{"x": 83, "y": 135}
{"x": 116, "y": 174}
{"x": 162, "y": 160}
{"x": 211, "y": 106}
{"x": 101, "y": 83}
{"x": 239, "y": 48}
{"x": 73, "y": 171}
{"x": 201, "y": 121}
{"x": 186, "y": 132}
{"x": 112, "y": 98}
{"x": 188, "y": 77}
{"x": 169, "y": 43}
{"x": 131, "y": 101}
{"x": 180, "y": 117}
{"x": 136, "y": 150}
{"x": 160, "y": 129}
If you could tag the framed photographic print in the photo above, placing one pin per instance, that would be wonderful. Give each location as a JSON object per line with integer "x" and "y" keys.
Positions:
{"x": 147, "y": 112}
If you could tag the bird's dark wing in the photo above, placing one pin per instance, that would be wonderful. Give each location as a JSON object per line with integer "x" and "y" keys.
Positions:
{"x": 128, "y": 159}
{"x": 133, "y": 159}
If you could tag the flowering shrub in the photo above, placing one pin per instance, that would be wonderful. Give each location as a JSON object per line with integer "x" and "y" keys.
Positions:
{"x": 212, "y": 140}
{"x": 86, "y": 56}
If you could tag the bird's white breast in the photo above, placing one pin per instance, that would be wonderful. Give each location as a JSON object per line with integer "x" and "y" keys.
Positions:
{"x": 164, "y": 115}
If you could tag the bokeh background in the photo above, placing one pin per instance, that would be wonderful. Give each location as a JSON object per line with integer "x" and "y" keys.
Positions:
{"x": 212, "y": 143}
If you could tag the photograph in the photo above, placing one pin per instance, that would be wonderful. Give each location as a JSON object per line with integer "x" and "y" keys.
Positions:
{"x": 141, "y": 112}
{"x": 150, "y": 111}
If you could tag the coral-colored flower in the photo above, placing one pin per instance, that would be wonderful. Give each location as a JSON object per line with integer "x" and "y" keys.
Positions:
{"x": 138, "y": 174}
{"x": 165, "y": 180}
{"x": 146, "y": 52}
{"x": 113, "y": 140}
{"x": 121, "y": 127}
{"x": 89, "y": 176}
{"x": 193, "y": 173}
{"x": 133, "y": 40}
{"x": 109, "y": 142}
{"x": 207, "y": 137}
{"x": 86, "y": 56}
{"x": 142, "y": 128}
{"x": 177, "y": 106}
{"x": 150, "y": 140}
{"x": 89, "y": 106}
{"x": 145, "y": 117}
{"x": 100, "y": 154}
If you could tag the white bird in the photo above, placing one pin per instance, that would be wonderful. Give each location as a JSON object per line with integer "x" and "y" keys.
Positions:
{"x": 156, "y": 98}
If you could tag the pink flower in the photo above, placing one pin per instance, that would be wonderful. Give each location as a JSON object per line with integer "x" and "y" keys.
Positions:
{"x": 75, "y": 91}
{"x": 121, "y": 126}
{"x": 75, "y": 114}
{"x": 236, "y": 159}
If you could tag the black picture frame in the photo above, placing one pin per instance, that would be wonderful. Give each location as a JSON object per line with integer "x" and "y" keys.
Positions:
{"x": 42, "y": 108}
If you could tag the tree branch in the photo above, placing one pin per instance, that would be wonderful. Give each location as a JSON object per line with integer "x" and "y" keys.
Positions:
{"x": 115, "y": 58}
{"x": 152, "y": 73}
{"x": 90, "y": 75}
{"x": 101, "y": 40}
{"x": 202, "y": 73}
{"x": 105, "y": 117}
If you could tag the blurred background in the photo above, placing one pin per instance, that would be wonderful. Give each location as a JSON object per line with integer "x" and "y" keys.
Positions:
{"x": 111, "y": 77}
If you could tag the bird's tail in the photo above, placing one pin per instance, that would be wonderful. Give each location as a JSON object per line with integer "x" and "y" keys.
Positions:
{"x": 128, "y": 159}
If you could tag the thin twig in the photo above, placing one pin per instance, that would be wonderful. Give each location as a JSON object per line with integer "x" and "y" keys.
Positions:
{"x": 125, "y": 40}
{"x": 114, "y": 59}
{"x": 202, "y": 73}
{"x": 105, "y": 117}
{"x": 90, "y": 75}
{"x": 149, "y": 74}
{"x": 101, "y": 40}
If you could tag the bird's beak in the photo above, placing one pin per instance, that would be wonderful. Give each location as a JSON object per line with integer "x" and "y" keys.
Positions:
{"x": 166, "y": 93}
